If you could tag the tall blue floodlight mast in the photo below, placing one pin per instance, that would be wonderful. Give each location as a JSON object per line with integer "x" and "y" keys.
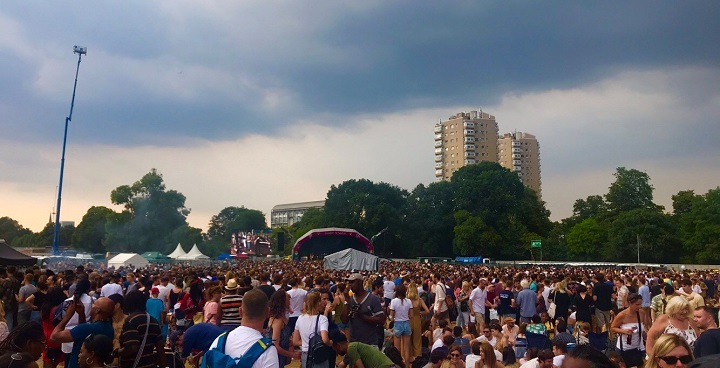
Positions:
{"x": 80, "y": 50}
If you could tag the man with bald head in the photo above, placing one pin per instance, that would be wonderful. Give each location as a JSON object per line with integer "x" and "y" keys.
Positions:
{"x": 101, "y": 315}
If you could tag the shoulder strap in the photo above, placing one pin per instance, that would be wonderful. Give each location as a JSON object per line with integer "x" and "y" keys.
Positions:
{"x": 219, "y": 347}
{"x": 317, "y": 322}
{"x": 144, "y": 340}
{"x": 642, "y": 340}
{"x": 252, "y": 355}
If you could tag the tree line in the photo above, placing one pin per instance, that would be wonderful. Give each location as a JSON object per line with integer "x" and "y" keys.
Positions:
{"x": 484, "y": 210}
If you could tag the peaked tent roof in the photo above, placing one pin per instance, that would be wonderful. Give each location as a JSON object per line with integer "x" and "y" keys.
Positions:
{"x": 10, "y": 256}
{"x": 352, "y": 260}
{"x": 126, "y": 259}
{"x": 194, "y": 253}
{"x": 178, "y": 252}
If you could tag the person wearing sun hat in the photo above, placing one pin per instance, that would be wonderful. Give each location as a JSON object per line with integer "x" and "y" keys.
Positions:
{"x": 230, "y": 305}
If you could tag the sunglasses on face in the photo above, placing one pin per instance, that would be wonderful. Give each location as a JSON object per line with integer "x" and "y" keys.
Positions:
{"x": 671, "y": 360}
{"x": 455, "y": 355}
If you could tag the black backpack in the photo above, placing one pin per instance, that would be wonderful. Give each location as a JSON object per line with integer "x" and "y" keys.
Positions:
{"x": 317, "y": 350}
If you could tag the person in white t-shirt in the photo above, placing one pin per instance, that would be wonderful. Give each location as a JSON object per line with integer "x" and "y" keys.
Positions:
{"x": 478, "y": 297}
{"x": 559, "y": 349}
{"x": 255, "y": 309}
{"x": 297, "y": 300}
{"x": 474, "y": 355}
{"x": 401, "y": 311}
{"x": 312, "y": 319}
{"x": 440, "y": 307}
{"x": 388, "y": 289}
{"x": 112, "y": 287}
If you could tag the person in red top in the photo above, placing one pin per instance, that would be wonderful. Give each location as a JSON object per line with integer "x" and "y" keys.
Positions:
{"x": 52, "y": 356}
{"x": 193, "y": 302}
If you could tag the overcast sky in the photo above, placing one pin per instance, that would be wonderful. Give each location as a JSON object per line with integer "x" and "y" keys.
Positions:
{"x": 258, "y": 103}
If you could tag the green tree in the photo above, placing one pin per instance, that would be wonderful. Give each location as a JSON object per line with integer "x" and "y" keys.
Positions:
{"x": 655, "y": 231}
{"x": 700, "y": 228}
{"x": 90, "y": 233}
{"x": 11, "y": 229}
{"x": 313, "y": 218}
{"x": 631, "y": 190}
{"x": 474, "y": 238}
{"x": 683, "y": 201}
{"x": 186, "y": 234}
{"x": 233, "y": 220}
{"x": 586, "y": 240}
{"x": 369, "y": 208}
{"x": 428, "y": 221}
{"x": 592, "y": 206}
{"x": 498, "y": 202}
{"x": 154, "y": 213}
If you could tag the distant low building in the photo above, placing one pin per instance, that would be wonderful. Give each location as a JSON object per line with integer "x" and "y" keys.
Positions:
{"x": 290, "y": 213}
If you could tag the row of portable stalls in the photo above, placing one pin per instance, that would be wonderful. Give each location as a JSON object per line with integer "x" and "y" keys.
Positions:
{"x": 137, "y": 260}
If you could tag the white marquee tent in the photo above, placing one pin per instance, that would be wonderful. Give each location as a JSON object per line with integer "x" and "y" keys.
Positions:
{"x": 177, "y": 253}
{"x": 193, "y": 254}
{"x": 127, "y": 259}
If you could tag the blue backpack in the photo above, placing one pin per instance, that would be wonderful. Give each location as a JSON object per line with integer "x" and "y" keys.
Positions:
{"x": 216, "y": 357}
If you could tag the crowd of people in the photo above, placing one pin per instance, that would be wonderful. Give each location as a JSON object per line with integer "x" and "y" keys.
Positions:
{"x": 405, "y": 314}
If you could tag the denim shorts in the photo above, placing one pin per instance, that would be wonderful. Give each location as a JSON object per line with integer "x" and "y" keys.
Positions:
{"x": 402, "y": 328}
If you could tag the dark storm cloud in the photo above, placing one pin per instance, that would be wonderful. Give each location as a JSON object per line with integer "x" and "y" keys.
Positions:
{"x": 327, "y": 60}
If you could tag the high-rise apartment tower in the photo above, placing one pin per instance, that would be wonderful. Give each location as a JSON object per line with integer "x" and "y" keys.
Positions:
{"x": 520, "y": 152}
{"x": 464, "y": 139}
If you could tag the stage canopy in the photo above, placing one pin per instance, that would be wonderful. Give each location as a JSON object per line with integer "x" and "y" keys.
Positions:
{"x": 351, "y": 260}
{"x": 321, "y": 242}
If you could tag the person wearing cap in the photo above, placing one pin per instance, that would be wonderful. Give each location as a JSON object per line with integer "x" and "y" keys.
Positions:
{"x": 230, "y": 305}
{"x": 363, "y": 313}
{"x": 101, "y": 314}
{"x": 156, "y": 308}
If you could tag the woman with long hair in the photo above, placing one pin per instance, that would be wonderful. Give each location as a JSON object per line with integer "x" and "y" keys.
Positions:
{"x": 53, "y": 299}
{"x": 277, "y": 331}
{"x": 419, "y": 310}
{"x": 28, "y": 337}
{"x": 17, "y": 360}
{"x": 312, "y": 319}
{"x": 463, "y": 301}
{"x": 456, "y": 357}
{"x": 487, "y": 357}
{"x": 339, "y": 299}
{"x": 4, "y": 331}
{"x": 562, "y": 300}
{"x": 509, "y": 358}
{"x": 668, "y": 351}
{"x": 192, "y": 302}
{"x": 400, "y": 312}
{"x": 96, "y": 352}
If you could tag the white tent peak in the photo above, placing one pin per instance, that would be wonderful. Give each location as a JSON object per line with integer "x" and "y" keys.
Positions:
{"x": 178, "y": 252}
{"x": 194, "y": 253}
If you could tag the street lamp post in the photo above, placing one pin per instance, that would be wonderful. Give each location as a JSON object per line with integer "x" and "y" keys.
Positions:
{"x": 80, "y": 50}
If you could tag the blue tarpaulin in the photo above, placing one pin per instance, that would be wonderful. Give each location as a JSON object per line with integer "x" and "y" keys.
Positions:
{"x": 469, "y": 260}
